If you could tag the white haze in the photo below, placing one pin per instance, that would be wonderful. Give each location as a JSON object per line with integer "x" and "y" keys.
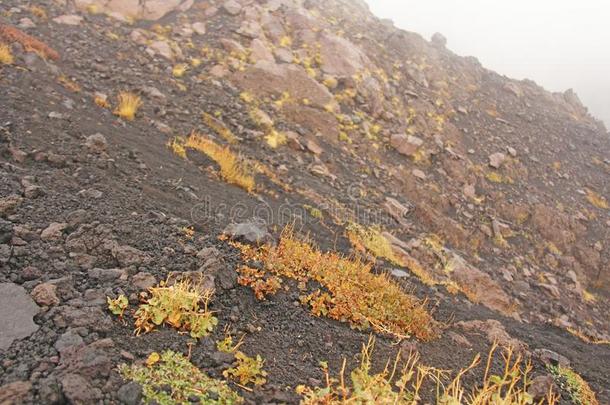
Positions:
{"x": 559, "y": 44}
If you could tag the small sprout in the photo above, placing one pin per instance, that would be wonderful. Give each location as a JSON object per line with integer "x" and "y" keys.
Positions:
{"x": 153, "y": 359}
{"x": 118, "y": 306}
{"x": 247, "y": 370}
{"x": 225, "y": 345}
{"x": 179, "y": 70}
{"x": 129, "y": 104}
{"x": 6, "y": 55}
{"x": 188, "y": 232}
{"x": 195, "y": 62}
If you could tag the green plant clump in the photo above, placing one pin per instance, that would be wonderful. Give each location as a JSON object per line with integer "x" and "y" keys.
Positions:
{"x": 175, "y": 380}
{"x": 247, "y": 370}
{"x": 574, "y": 384}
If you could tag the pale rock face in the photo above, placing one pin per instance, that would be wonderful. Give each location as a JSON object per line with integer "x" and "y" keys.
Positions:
{"x": 260, "y": 51}
{"x": 406, "y": 144}
{"x": 126, "y": 10}
{"x": 341, "y": 57}
{"x": 68, "y": 19}
{"x": 162, "y": 48}
{"x": 268, "y": 78}
{"x": 232, "y": 7}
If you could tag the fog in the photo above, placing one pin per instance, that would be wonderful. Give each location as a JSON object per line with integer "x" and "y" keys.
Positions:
{"x": 559, "y": 44}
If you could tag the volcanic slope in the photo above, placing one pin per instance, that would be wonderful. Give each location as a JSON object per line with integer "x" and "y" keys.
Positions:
{"x": 331, "y": 177}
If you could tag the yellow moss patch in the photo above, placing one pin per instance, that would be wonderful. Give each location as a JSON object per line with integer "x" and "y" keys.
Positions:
{"x": 179, "y": 70}
{"x": 496, "y": 177}
{"x": 285, "y": 42}
{"x": 350, "y": 292}
{"x": 6, "y": 55}
{"x": 231, "y": 169}
{"x": 275, "y": 139}
{"x": 39, "y": 12}
{"x": 129, "y": 104}
{"x": 246, "y": 97}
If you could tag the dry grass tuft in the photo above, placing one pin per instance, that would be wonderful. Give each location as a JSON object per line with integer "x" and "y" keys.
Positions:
{"x": 101, "y": 101}
{"x": 370, "y": 239}
{"x": 129, "y": 104}
{"x": 69, "y": 84}
{"x": 402, "y": 385}
{"x": 6, "y": 55}
{"x": 177, "y": 146}
{"x": 232, "y": 169}
{"x": 585, "y": 338}
{"x": 597, "y": 200}
{"x": 183, "y": 306}
{"x": 11, "y": 34}
{"x": 221, "y": 129}
{"x": 349, "y": 291}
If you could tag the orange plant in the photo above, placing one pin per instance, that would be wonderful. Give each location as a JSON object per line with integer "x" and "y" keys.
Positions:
{"x": 12, "y": 34}
{"x": 349, "y": 291}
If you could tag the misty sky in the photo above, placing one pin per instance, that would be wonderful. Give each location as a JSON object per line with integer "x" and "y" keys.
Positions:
{"x": 560, "y": 44}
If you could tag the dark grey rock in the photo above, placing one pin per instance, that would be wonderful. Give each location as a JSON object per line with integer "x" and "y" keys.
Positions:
{"x": 77, "y": 390}
{"x": 6, "y": 231}
{"x": 68, "y": 340}
{"x": 130, "y": 394}
{"x": 550, "y": 357}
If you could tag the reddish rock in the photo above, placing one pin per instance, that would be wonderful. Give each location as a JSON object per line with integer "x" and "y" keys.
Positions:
{"x": 45, "y": 294}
